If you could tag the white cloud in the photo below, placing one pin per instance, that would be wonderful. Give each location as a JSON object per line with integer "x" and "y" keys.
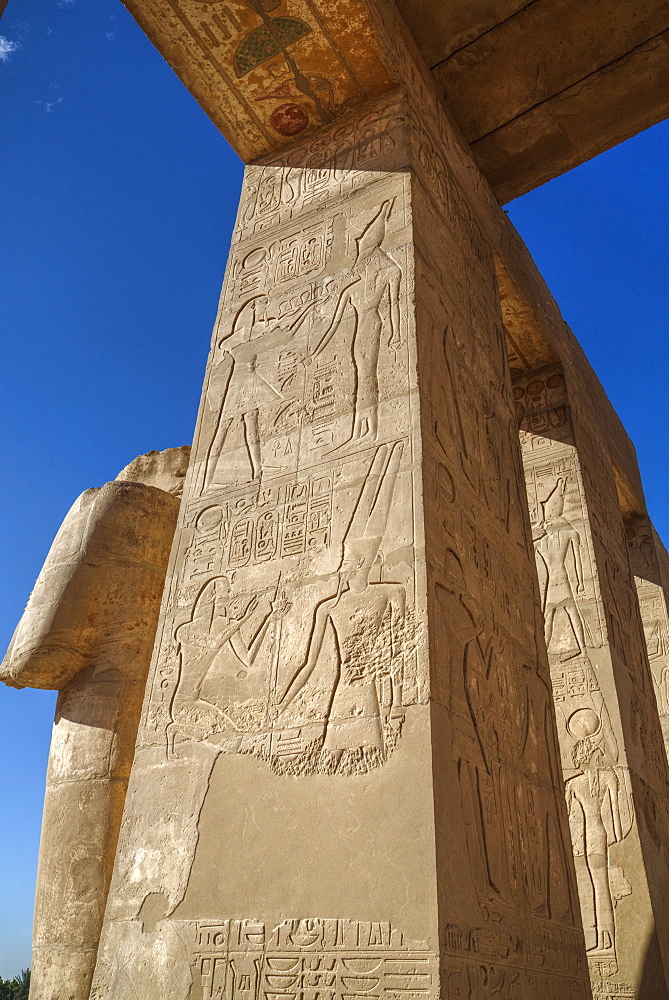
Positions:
{"x": 7, "y": 48}
{"x": 49, "y": 105}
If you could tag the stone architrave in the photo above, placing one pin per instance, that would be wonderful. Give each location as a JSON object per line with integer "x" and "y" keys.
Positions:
{"x": 346, "y": 781}
{"x": 649, "y": 562}
{"x": 613, "y": 757}
{"x": 88, "y": 631}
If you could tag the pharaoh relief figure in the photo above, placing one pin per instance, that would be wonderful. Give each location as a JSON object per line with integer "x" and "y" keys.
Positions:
{"x": 365, "y": 618}
{"x": 557, "y": 544}
{"x": 370, "y": 298}
{"x": 245, "y": 388}
{"x": 490, "y": 726}
{"x": 220, "y": 694}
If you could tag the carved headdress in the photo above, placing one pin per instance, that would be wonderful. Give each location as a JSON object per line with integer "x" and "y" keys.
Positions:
{"x": 374, "y": 233}
{"x": 553, "y": 505}
{"x": 368, "y": 524}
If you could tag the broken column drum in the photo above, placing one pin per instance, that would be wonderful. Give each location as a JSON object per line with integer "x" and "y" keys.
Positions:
{"x": 88, "y": 631}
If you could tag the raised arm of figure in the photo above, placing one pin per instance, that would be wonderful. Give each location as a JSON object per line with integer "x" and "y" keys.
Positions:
{"x": 575, "y": 542}
{"x": 303, "y": 673}
{"x": 247, "y": 654}
{"x": 395, "y": 338}
{"x": 342, "y": 302}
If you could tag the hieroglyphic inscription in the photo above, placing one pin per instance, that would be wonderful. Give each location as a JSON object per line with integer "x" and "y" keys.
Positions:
{"x": 301, "y": 253}
{"x": 286, "y": 519}
{"x": 312, "y": 959}
{"x": 352, "y": 717}
{"x": 486, "y": 962}
{"x": 247, "y": 959}
{"x": 541, "y": 404}
{"x": 319, "y": 172}
{"x": 288, "y": 635}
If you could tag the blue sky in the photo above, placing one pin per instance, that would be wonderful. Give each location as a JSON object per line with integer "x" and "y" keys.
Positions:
{"x": 118, "y": 198}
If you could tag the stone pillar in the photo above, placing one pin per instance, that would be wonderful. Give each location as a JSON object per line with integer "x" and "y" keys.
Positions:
{"x": 88, "y": 631}
{"x": 613, "y": 759}
{"x": 346, "y": 781}
{"x": 649, "y": 562}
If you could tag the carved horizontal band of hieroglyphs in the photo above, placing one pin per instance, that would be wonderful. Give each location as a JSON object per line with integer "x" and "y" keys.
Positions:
{"x": 537, "y": 944}
{"x": 479, "y": 980}
{"x": 322, "y": 170}
{"x": 607, "y": 989}
{"x": 270, "y": 522}
{"x": 312, "y": 959}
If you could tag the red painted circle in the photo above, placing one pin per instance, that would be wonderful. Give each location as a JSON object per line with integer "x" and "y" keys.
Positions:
{"x": 289, "y": 119}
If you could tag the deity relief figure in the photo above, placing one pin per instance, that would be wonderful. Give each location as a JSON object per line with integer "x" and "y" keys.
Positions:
{"x": 599, "y": 815}
{"x": 557, "y": 545}
{"x": 219, "y": 695}
{"x": 247, "y": 392}
{"x": 486, "y": 719}
{"x": 371, "y": 299}
{"x": 500, "y": 718}
{"x": 364, "y": 619}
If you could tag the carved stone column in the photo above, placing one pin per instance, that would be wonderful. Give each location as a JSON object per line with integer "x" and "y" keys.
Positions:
{"x": 650, "y": 565}
{"x": 346, "y": 781}
{"x": 613, "y": 758}
{"x": 88, "y": 631}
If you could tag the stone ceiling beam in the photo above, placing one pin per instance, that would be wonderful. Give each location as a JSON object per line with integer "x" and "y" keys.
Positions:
{"x": 609, "y": 106}
{"x": 536, "y": 88}
{"x": 524, "y": 62}
{"x": 266, "y": 75}
{"x": 539, "y": 87}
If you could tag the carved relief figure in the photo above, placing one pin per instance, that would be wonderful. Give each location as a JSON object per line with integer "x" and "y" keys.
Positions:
{"x": 474, "y": 740}
{"x": 557, "y": 544}
{"x": 371, "y": 299}
{"x": 598, "y": 799}
{"x": 501, "y": 735}
{"x": 364, "y": 619}
{"x": 599, "y": 816}
{"x": 212, "y": 647}
{"x": 246, "y": 391}
{"x": 231, "y": 693}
